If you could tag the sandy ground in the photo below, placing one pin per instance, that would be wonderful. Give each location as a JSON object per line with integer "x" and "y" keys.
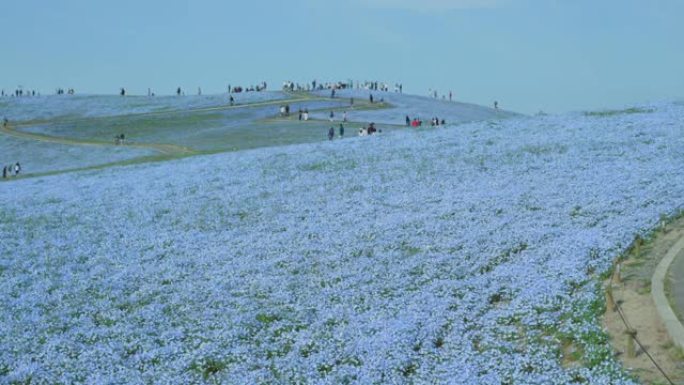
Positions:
{"x": 632, "y": 293}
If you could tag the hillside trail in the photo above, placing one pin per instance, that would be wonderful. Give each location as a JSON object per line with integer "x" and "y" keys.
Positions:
{"x": 165, "y": 149}
{"x": 363, "y": 106}
{"x": 299, "y": 98}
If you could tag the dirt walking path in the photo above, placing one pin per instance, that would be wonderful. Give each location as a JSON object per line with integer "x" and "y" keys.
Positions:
{"x": 166, "y": 149}
{"x": 170, "y": 150}
{"x": 36, "y": 122}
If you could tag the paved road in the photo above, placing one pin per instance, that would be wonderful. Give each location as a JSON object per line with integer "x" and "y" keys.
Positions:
{"x": 676, "y": 281}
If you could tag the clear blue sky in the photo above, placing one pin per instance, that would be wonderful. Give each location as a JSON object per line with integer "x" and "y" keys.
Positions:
{"x": 530, "y": 55}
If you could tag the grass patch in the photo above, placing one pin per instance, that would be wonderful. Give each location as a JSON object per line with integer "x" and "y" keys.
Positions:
{"x": 267, "y": 318}
{"x": 210, "y": 366}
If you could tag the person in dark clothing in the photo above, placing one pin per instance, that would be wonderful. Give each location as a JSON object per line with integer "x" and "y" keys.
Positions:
{"x": 332, "y": 94}
{"x": 341, "y": 130}
{"x": 300, "y": 114}
{"x": 371, "y": 98}
{"x": 178, "y": 91}
{"x": 408, "y": 120}
{"x": 4, "y": 172}
{"x": 231, "y": 100}
{"x": 122, "y": 92}
{"x": 331, "y": 133}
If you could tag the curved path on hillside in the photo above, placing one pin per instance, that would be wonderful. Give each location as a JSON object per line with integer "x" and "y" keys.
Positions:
{"x": 299, "y": 98}
{"x": 164, "y": 148}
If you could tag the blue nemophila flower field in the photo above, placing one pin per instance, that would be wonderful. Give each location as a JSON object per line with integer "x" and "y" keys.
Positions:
{"x": 413, "y": 106}
{"x": 38, "y": 156}
{"x": 88, "y": 106}
{"x": 462, "y": 255}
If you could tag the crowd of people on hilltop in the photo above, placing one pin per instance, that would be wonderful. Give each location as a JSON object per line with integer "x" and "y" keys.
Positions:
{"x": 19, "y": 92}
{"x": 181, "y": 92}
{"x": 314, "y": 85}
{"x": 262, "y": 86}
{"x": 11, "y": 170}
{"x": 238, "y": 89}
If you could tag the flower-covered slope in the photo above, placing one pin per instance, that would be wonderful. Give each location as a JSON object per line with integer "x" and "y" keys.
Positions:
{"x": 88, "y": 106}
{"x": 465, "y": 255}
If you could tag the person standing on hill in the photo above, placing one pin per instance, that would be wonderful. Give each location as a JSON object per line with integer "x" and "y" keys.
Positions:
{"x": 332, "y": 116}
{"x": 4, "y": 172}
{"x": 450, "y": 95}
{"x": 496, "y": 105}
{"x": 370, "y": 98}
{"x": 178, "y": 91}
{"x": 17, "y": 168}
{"x": 341, "y": 130}
{"x": 122, "y": 92}
{"x": 408, "y": 121}
{"x": 331, "y": 133}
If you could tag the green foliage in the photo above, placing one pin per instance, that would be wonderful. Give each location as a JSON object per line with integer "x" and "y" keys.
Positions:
{"x": 209, "y": 367}
{"x": 267, "y": 318}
